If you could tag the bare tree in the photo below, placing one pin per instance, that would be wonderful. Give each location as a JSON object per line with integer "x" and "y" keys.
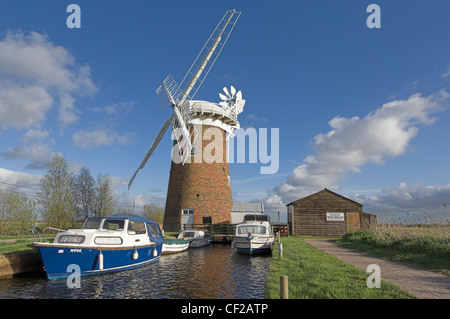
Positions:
{"x": 104, "y": 198}
{"x": 84, "y": 193}
{"x": 154, "y": 212}
{"x": 55, "y": 197}
{"x": 16, "y": 213}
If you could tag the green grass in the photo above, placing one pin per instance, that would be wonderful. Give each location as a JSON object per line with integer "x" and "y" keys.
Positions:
{"x": 427, "y": 252}
{"x": 9, "y": 244}
{"x": 313, "y": 274}
{"x": 17, "y": 245}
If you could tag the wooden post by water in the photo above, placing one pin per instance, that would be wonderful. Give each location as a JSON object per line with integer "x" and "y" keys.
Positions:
{"x": 280, "y": 250}
{"x": 284, "y": 294}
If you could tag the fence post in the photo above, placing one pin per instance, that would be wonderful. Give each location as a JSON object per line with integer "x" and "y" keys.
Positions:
{"x": 280, "y": 250}
{"x": 284, "y": 294}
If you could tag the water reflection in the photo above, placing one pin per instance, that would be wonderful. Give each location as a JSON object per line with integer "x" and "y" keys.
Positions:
{"x": 214, "y": 272}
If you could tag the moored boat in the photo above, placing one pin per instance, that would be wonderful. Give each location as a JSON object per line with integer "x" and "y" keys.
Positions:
{"x": 172, "y": 246}
{"x": 104, "y": 244}
{"x": 253, "y": 237}
{"x": 196, "y": 238}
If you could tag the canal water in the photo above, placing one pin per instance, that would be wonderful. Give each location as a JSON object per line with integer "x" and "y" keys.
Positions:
{"x": 213, "y": 272}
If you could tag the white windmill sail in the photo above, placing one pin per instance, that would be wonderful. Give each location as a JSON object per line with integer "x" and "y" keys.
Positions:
{"x": 170, "y": 93}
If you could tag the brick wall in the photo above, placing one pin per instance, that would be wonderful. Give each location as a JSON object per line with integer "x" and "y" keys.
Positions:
{"x": 202, "y": 184}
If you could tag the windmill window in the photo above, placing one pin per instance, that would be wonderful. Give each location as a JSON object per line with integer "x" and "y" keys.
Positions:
{"x": 188, "y": 212}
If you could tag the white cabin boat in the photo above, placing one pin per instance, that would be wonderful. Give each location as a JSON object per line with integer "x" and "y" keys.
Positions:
{"x": 253, "y": 237}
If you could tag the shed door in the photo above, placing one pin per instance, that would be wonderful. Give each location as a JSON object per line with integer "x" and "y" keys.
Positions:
{"x": 353, "y": 221}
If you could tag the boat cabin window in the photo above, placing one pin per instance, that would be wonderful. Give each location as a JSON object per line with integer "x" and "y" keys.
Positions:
{"x": 254, "y": 229}
{"x": 113, "y": 224}
{"x": 136, "y": 228}
{"x": 154, "y": 230}
{"x": 71, "y": 239}
{"x": 92, "y": 223}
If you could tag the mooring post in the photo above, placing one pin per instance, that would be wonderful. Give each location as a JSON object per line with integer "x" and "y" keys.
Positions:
{"x": 280, "y": 250}
{"x": 284, "y": 294}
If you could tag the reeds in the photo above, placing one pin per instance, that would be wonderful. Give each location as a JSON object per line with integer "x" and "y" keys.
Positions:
{"x": 391, "y": 229}
{"x": 422, "y": 235}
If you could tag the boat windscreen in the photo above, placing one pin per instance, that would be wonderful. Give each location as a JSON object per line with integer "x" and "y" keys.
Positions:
{"x": 254, "y": 229}
{"x": 189, "y": 234}
{"x": 113, "y": 224}
{"x": 92, "y": 223}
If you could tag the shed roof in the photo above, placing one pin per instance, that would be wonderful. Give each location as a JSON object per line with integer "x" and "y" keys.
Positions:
{"x": 322, "y": 191}
{"x": 247, "y": 208}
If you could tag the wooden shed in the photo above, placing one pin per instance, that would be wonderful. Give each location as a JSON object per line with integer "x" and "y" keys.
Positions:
{"x": 327, "y": 214}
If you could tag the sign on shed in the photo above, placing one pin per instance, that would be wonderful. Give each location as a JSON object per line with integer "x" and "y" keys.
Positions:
{"x": 336, "y": 217}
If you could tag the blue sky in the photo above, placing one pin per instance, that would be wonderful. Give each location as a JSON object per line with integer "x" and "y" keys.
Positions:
{"x": 363, "y": 112}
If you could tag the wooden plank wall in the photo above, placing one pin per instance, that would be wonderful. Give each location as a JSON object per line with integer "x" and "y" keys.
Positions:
{"x": 310, "y": 214}
{"x": 315, "y": 224}
{"x": 367, "y": 220}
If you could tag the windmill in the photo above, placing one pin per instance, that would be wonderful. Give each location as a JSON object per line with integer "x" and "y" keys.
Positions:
{"x": 198, "y": 190}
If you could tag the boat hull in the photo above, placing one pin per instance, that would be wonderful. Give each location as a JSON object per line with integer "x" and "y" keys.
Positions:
{"x": 173, "y": 246}
{"x": 253, "y": 246}
{"x": 60, "y": 261}
{"x": 197, "y": 243}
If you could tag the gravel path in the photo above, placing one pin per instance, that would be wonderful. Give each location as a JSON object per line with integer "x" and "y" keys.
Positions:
{"x": 423, "y": 284}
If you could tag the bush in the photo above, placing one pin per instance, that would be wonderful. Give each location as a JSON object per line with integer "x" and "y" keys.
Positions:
{"x": 361, "y": 236}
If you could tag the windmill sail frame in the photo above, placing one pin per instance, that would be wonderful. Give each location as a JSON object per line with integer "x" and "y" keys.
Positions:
{"x": 170, "y": 93}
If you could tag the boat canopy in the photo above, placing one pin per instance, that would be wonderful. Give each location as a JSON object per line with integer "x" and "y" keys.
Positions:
{"x": 114, "y": 222}
{"x": 244, "y": 229}
{"x": 257, "y": 217}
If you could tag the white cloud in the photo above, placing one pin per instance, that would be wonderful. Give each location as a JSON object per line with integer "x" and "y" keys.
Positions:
{"x": 97, "y": 138}
{"x": 446, "y": 74}
{"x": 39, "y": 154}
{"x": 36, "y": 74}
{"x": 36, "y": 148}
{"x": 421, "y": 202}
{"x": 35, "y": 135}
{"x": 353, "y": 142}
{"x": 23, "y": 107}
{"x": 67, "y": 113}
{"x": 18, "y": 178}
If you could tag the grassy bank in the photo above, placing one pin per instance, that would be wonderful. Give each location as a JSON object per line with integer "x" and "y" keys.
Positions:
{"x": 314, "y": 274}
{"x": 9, "y": 245}
{"x": 425, "y": 247}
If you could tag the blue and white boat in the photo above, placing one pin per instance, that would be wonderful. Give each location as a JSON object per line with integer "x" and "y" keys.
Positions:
{"x": 104, "y": 244}
{"x": 253, "y": 236}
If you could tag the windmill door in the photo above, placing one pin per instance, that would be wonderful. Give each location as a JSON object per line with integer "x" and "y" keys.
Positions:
{"x": 187, "y": 218}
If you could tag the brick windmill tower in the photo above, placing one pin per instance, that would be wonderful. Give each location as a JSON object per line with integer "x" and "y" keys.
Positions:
{"x": 199, "y": 183}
